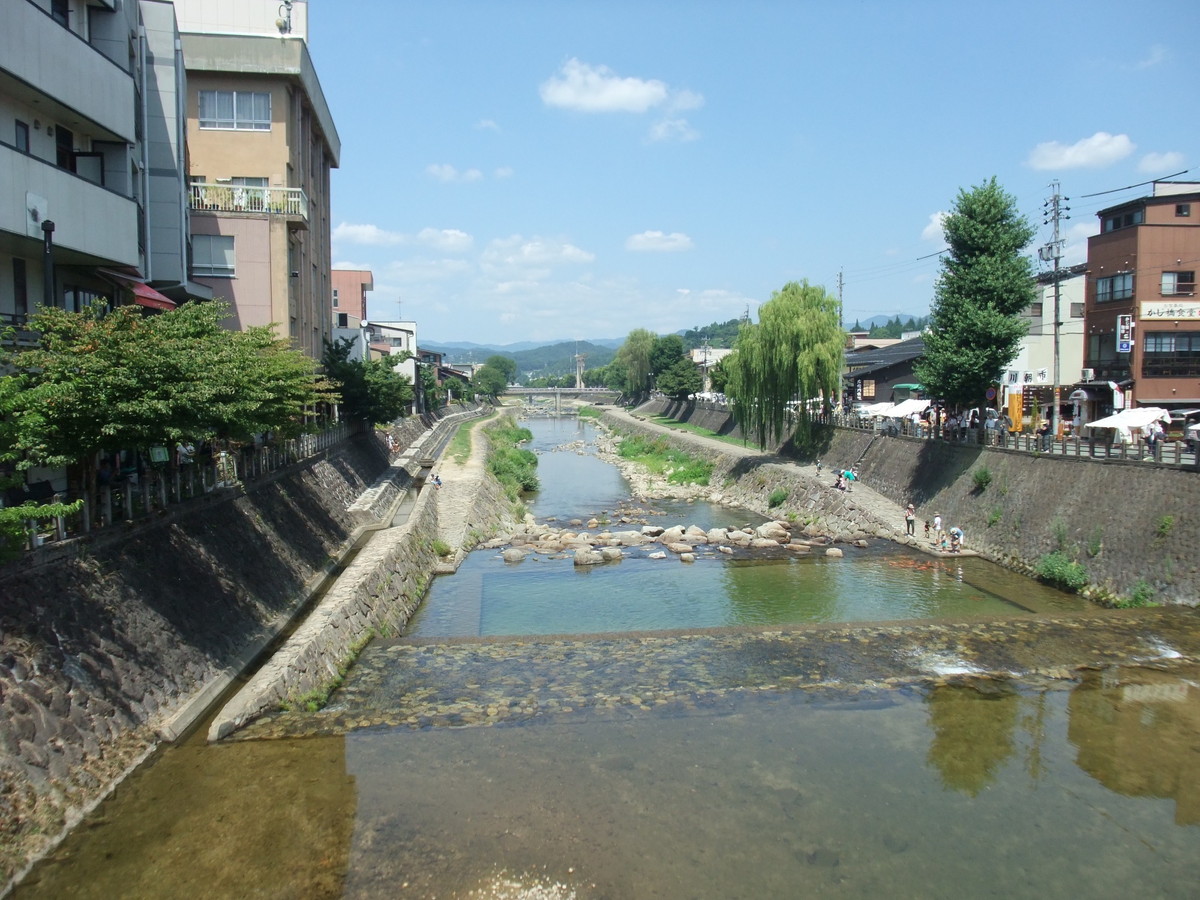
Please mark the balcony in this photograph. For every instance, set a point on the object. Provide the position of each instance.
(233, 198)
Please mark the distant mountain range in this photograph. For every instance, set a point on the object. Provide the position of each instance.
(459, 351)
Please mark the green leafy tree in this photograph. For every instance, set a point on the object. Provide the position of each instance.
(667, 351)
(109, 380)
(457, 389)
(505, 364)
(718, 375)
(984, 286)
(680, 380)
(795, 352)
(634, 357)
(370, 390)
(489, 380)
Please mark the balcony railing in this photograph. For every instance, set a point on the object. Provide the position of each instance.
(238, 198)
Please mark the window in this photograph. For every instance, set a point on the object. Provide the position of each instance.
(1177, 283)
(235, 110)
(20, 290)
(1035, 310)
(1171, 354)
(60, 11)
(335, 298)
(1183, 210)
(1076, 310)
(1124, 220)
(212, 255)
(1114, 287)
(21, 138)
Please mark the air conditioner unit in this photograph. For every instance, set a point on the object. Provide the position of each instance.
(1087, 375)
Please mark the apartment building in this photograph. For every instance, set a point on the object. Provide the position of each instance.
(1142, 318)
(350, 288)
(93, 191)
(262, 142)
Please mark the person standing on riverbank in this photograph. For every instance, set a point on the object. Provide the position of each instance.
(937, 527)
(910, 520)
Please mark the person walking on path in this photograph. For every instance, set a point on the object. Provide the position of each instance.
(937, 527)
(910, 520)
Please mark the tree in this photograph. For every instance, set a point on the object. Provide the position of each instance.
(371, 390)
(489, 380)
(505, 364)
(667, 351)
(984, 286)
(681, 380)
(634, 357)
(794, 353)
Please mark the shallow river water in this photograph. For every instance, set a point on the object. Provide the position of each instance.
(775, 757)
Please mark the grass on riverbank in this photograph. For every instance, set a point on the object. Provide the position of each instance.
(512, 465)
(659, 458)
(703, 432)
(459, 448)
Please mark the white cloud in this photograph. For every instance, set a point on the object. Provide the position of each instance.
(1101, 149)
(448, 240)
(366, 234)
(1160, 163)
(448, 173)
(934, 230)
(588, 88)
(673, 129)
(1158, 54)
(351, 266)
(421, 270)
(503, 172)
(517, 252)
(487, 125)
(658, 242)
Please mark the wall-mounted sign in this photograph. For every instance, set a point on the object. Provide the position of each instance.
(1169, 309)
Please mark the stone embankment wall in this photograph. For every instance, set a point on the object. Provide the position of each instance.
(112, 643)
(1130, 524)
(376, 594)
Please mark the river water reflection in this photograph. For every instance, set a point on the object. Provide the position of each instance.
(615, 780)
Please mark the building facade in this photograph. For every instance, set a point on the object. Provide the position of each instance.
(1142, 317)
(262, 143)
(350, 288)
(93, 190)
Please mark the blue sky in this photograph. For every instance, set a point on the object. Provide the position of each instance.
(535, 171)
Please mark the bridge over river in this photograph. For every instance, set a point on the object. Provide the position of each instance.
(587, 394)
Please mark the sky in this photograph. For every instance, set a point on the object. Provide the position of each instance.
(542, 171)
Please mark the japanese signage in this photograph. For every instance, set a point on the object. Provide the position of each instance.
(1124, 334)
(1170, 309)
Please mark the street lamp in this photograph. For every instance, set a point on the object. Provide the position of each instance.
(47, 263)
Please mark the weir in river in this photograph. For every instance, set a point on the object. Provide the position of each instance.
(771, 746)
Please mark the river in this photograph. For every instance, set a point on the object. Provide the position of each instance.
(780, 754)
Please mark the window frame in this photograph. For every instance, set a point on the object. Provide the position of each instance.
(1113, 293)
(1176, 282)
(206, 267)
(210, 115)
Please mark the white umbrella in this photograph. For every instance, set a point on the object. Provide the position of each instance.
(907, 408)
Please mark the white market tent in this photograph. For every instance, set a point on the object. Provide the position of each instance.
(876, 409)
(1132, 418)
(906, 408)
(1128, 419)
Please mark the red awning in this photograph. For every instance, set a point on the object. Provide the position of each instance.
(143, 294)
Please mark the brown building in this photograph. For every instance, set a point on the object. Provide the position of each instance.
(1142, 314)
(350, 288)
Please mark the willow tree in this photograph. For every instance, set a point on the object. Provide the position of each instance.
(985, 284)
(634, 357)
(795, 352)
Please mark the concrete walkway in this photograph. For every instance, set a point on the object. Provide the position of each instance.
(461, 481)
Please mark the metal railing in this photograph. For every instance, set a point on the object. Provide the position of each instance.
(239, 198)
(1093, 447)
(135, 496)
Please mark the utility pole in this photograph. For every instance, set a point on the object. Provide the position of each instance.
(1055, 212)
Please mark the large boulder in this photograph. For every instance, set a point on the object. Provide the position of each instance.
(773, 531)
(513, 555)
(587, 557)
